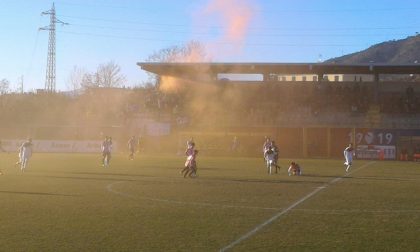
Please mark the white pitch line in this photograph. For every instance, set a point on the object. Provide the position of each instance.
(347, 211)
(109, 187)
(276, 216)
(315, 211)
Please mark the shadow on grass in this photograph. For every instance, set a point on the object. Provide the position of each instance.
(238, 180)
(217, 169)
(39, 193)
(92, 178)
(181, 167)
(136, 177)
(264, 181)
(323, 176)
(109, 174)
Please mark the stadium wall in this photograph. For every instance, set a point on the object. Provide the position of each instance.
(311, 142)
(294, 142)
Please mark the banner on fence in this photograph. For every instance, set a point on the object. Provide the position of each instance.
(56, 146)
(381, 152)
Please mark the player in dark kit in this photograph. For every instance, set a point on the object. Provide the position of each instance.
(131, 147)
(294, 169)
(106, 151)
(2, 150)
(1, 147)
(191, 165)
(276, 153)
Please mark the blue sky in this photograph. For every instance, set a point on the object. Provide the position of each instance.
(128, 31)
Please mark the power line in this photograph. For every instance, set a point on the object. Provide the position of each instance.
(29, 68)
(111, 6)
(219, 43)
(252, 28)
(338, 10)
(370, 10)
(129, 21)
(204, 34)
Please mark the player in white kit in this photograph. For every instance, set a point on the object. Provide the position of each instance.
(271, 162)
(348, 156)
(25, 152)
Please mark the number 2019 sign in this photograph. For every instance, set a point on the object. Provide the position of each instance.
(374, 137)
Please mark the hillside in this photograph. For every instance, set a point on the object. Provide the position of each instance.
(404, 51)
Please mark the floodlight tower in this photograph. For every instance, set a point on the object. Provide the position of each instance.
(50, 73)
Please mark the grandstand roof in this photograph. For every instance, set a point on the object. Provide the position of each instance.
(191, 69)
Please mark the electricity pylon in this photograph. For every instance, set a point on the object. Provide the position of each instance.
(50, 73)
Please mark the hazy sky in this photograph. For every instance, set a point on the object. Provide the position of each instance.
(128, 31)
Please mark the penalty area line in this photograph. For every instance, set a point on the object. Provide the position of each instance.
(279, 214)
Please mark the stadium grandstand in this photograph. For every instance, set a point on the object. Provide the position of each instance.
(311, 109)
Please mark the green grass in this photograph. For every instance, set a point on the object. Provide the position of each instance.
(71, 203)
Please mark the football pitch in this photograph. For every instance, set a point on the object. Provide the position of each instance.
(69, 202)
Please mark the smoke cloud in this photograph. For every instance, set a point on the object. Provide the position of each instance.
(207, 100)
(234, 16)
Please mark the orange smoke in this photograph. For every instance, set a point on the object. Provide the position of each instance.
(195, 52)
(169, 84)
(193, 56)
(235, 17)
